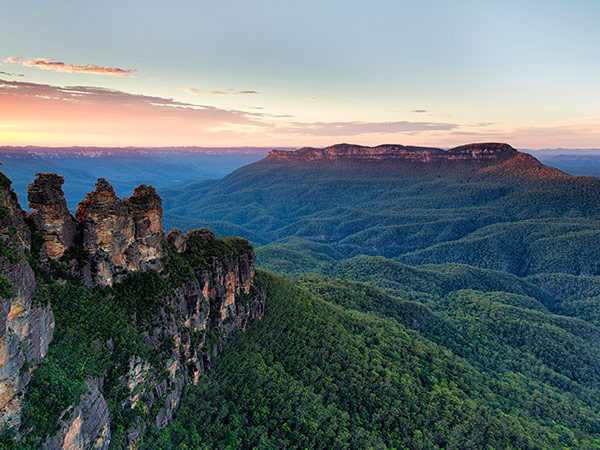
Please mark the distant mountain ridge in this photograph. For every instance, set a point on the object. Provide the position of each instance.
(492, 151)
(416, 204)
(97, 152)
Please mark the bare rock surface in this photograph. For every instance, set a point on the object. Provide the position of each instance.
(26, 328)
(492, 152)
(51, 215)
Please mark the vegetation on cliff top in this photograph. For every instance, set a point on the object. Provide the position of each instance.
(98, 332)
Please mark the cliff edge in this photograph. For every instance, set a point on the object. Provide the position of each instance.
(150, 311)
(493, 152)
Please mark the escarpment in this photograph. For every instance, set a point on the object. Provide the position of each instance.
(26, 327)
(483, 152)
(173, 301)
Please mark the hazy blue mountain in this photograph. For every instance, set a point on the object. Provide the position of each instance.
(124, 168)
(510, 213)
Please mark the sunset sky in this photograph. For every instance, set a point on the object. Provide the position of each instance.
(297, 73)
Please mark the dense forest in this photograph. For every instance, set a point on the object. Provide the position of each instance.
(452, 308)
(338, 364)
(525, 218)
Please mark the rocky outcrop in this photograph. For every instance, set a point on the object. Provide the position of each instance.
(146, 210)
(50, 213)
(86, 425)
(198, 318)
(487, 152)
(120, 235)
(177, 239)
(207, 294)
(26, 328)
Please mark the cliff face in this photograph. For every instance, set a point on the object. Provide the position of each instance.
(120, 235)
(51, 214)
(472, 152)
(204, 294)
(25, 327)
(89, 425)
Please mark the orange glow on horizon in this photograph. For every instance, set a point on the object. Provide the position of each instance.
(52, 116)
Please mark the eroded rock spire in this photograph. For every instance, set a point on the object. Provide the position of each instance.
(51, 215)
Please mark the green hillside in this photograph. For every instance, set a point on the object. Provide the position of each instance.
(312, 374)
(517, 216)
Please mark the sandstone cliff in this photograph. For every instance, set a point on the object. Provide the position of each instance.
(25, 327)
(51, 215)
(183, 295)
(120, 235)
(487, 152)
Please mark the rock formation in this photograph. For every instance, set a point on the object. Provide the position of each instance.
(107, 240)
(88, 425)
(493, 152)
(51, 215)
(146, 210)
(120, 235)
(25, 327)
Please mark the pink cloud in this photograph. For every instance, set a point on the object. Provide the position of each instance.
(194, 91)
(191, 91)
(357, 128)
(233, 92)
(58, 66)
(44, 114)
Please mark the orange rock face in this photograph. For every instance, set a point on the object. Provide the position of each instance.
(120, 235)
(107, 223)
(51, 215)
(146, 210)
(348, 152)
(25, 328)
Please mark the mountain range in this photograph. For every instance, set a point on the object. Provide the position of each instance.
(403, 298)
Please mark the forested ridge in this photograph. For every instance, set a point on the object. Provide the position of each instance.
(484, 280)
(337, 364)
(405, 307)
(517, 216)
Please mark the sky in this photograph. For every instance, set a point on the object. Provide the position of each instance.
(281, 73)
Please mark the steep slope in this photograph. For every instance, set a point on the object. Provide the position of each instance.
(136, 315)
(315, 375)
(419, 205)
(26, 327)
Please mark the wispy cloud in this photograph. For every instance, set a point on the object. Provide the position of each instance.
(233, 92)
(86, 114)
(583, 133)
(420, 111)
(11, 74)
(83, 93)
(309, 98)
(363, 128)
(58, 66)
(191, 91)
(194, 91)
